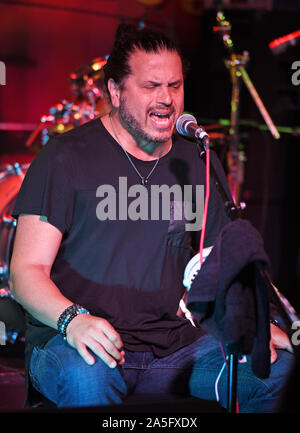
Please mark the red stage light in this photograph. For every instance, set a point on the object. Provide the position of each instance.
(289, 39)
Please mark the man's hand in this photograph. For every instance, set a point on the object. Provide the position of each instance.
(89, 332)
(279, 340)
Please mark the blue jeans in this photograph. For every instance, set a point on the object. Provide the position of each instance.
(60, 374)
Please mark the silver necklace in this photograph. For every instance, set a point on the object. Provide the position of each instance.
(144, 179)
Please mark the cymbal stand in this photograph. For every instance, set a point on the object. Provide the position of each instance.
(236, 63)
(237, 66)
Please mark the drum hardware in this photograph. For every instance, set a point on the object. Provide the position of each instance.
(10, 182)
(11, 169)
(8, 336)
(8, 223)
(292, 130)
(17, 169)
(236, 63)
(87, 83)
(9, 220)
(285, 311)
(62, 117)
(279, 45)
(5, 291)
(11, 313)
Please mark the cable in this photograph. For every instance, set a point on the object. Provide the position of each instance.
(207, 153)
(217, 381)
(226, 363)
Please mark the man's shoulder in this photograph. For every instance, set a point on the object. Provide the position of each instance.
(81, 139)
(73, 146)
(88, 129)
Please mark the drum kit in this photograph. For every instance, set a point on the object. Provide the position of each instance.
(91, 101)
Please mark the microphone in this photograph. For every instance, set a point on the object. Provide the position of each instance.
(186, 125)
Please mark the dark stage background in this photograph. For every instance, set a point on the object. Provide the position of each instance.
(43, 41)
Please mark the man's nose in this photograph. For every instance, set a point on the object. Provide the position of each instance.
(164, 96)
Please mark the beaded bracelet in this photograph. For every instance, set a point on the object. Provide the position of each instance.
(67, 316)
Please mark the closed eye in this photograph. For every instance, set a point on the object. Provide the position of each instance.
(175, 84)
(151, 85)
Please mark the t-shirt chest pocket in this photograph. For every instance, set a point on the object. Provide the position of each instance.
(178, 235)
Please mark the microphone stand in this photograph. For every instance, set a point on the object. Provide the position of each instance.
(236, 64)
(234, 212)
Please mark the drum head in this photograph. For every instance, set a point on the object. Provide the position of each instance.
(12, 316)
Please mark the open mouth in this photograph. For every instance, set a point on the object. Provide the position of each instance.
(161, 119)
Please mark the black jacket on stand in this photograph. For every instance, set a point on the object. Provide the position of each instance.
(229, 298)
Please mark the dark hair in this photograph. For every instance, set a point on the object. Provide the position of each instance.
(130, 38)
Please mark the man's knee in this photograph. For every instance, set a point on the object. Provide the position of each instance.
(66, 379)
(91, 385)
(254, 394)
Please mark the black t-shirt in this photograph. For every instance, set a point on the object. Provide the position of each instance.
(124, 269)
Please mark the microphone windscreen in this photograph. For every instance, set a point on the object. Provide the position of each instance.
(181, 122)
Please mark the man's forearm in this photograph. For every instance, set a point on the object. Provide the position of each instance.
(36, 292)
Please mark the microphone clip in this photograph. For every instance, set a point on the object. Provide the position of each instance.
(202, 145)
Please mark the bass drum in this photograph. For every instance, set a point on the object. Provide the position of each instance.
(12, 317)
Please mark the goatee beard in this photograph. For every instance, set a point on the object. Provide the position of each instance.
(143, 140)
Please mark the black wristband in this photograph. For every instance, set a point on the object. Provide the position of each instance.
(67, 316)
(274, 322)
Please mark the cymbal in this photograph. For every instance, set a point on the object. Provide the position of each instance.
(88, 78)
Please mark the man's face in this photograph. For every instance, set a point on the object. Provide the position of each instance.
(152, 96)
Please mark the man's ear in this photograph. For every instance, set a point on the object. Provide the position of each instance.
(114, 91)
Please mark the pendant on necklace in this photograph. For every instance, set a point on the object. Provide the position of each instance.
(144, 181)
